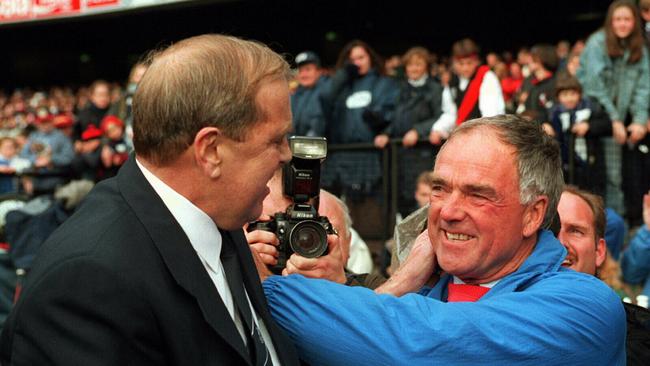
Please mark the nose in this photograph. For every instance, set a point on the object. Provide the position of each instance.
(452, 209)
(562, 237)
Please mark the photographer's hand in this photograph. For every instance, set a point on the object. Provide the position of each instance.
(417, 270)
(264, 243)
(328, 267)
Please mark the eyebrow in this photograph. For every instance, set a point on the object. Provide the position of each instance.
(471, 188)
(438, 181)
(570, 225)
(481, 188)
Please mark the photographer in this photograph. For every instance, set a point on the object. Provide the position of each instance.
(331, 266)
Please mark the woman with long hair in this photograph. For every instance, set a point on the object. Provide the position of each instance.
(359, 105)
(614, 70)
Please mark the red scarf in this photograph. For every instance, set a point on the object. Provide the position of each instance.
(471, 96)
(463, 292)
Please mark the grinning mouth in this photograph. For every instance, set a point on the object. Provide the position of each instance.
(569, 260)
(457, 236)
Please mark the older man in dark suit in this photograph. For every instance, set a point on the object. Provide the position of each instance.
(154, 269)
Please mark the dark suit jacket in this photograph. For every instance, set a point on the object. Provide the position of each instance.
(120, 284)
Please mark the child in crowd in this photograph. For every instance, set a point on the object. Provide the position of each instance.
(87, 162)
(423, 188)
(10, 164)
(115, 150)
(536, 93)
(65, 124)
(575, 121)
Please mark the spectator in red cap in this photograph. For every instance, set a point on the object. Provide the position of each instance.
(87, 162)
(65, 124)
(115, 149)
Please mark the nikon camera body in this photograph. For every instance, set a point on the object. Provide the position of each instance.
(300, 229)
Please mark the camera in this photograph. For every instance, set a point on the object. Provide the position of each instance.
(300, 229)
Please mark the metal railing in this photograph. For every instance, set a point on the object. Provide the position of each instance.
(390, 185)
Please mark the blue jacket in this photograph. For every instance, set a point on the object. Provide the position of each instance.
(348, 98)
(542, 314)
(58, 144)
(610, 80)
(635, 261)
(307, 109)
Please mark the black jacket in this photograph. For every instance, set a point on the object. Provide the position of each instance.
(417, 108)
(120, 284)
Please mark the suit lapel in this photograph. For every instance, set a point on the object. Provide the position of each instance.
(177, 253)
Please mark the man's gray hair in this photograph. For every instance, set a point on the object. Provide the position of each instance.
(538, 157)
(347, 219)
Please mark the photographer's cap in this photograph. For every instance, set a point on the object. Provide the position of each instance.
(307, 57)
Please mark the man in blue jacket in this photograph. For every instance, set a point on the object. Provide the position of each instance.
(306, 105)
(500, 294)
(635, 261)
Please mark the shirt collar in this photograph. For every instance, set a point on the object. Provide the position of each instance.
(197, 225)
(458, 281)
(419, 82)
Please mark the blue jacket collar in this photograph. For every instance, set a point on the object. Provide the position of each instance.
(546, 257)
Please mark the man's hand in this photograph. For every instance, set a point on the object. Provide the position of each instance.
(264, 243)
(637, 132)
(548, 129)
(381, 141)
(42, 161)
(646, 210)
(435, 138)
(410, 138)
(580, 129)
(416, 271)
(618, 132)
(329, 267)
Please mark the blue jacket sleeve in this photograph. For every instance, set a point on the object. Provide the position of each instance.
(635, 262)
(384, 98)
(641, 91)
(546, 324)
(63, 152)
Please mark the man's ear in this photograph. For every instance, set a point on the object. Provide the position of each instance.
(601, 252)
(534, 216)
(206, 150)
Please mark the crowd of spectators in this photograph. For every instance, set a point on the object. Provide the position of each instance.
(49, 137)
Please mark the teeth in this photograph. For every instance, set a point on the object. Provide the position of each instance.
(451, 236)
(567, 262)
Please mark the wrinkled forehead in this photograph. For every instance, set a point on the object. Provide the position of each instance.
(479, 156)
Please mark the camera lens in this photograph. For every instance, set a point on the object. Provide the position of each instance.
(308, 239)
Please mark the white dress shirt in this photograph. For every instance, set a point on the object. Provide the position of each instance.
(206, 241)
